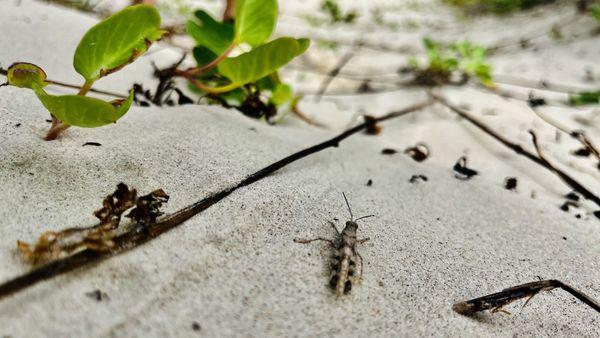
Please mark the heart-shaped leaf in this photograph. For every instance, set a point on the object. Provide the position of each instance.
(255, 21)
(26, 75)
(83, 111)
(117, 41)
(261, 61)
(208, 32)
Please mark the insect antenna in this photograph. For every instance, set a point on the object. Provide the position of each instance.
(348, 204)
(364, 217)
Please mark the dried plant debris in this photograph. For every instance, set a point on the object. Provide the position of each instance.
(389, 151)
(420, 152)
(417, 178)
(147, 208)
(566, 206)
(98, 295)
(534, 101)
(114, 205)
(462, 172)
(497, 301)
(372, 127)
(54, 244)
(510, 183)
(343, 266)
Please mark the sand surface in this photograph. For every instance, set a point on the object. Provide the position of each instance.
(234, 269)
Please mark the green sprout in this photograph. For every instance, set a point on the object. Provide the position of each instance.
(249, 81)
(462, 58)
(335, 13)
(106, 48)
(585, 98)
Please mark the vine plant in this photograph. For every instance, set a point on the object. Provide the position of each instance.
(451, 65)
(106, 48)
(249, 81)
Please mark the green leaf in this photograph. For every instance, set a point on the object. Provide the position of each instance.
(282, 94)
(83, 111)
(26, 75)
(117, 41)
(261, 61)
(255, 21)
(203, 55)
(210, 33)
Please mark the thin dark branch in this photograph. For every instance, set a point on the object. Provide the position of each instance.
(517, 148)
(139, 234)
(579, 135)
(496, 301)
(332, 74)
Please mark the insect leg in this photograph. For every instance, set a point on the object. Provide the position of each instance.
(306, 241)
(334, 227)
(361, 265)
(362, 241)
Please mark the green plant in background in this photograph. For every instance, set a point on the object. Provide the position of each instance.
(106, 48)
(461, 58)
(497, 6)
(249, 81)
(585, 98)
(332, 9)
(595, 12)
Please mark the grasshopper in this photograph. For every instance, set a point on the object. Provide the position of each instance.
(343, 266)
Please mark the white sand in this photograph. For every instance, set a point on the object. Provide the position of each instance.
(234, 269)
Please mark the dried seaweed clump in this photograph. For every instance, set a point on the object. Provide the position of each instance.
(54, 244)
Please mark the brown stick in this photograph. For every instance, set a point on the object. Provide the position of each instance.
(134, 237)
(495, 301)
(571, 182)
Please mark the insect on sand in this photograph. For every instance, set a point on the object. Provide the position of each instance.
(343, 266)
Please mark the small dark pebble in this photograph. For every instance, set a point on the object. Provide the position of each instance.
(389, 151)
(96, 144)
(578, 216)
(510, 183)
(572, 196)
(369, 183)
(582, 152)
(17, 125)
(535, 101)
(415, 178)
(565, 238)
(97, 295)
(196, 326)
(462, 172)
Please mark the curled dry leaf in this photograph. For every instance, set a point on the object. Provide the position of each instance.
(54, 244)
(147, 208)
(420, 152)
(462, 171)
(114, 205)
